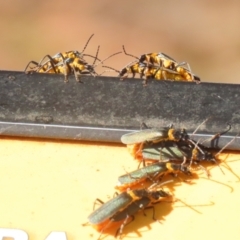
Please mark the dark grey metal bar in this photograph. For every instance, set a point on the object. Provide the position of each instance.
(104, 108)
(62, 131)
(96, 133)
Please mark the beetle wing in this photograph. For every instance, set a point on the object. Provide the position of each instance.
(108, 209)
(141, 174)
(152, 134)
(159, 153)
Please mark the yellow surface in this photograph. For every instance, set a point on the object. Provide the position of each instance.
(51, 186)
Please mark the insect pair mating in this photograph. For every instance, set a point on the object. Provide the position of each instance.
(68, 63)
(157, 66)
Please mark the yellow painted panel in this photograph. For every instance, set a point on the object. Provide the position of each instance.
(51, 186)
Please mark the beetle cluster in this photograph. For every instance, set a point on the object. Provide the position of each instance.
(157, 66)
(162, 151)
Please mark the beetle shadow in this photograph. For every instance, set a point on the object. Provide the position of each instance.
(222, 164)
